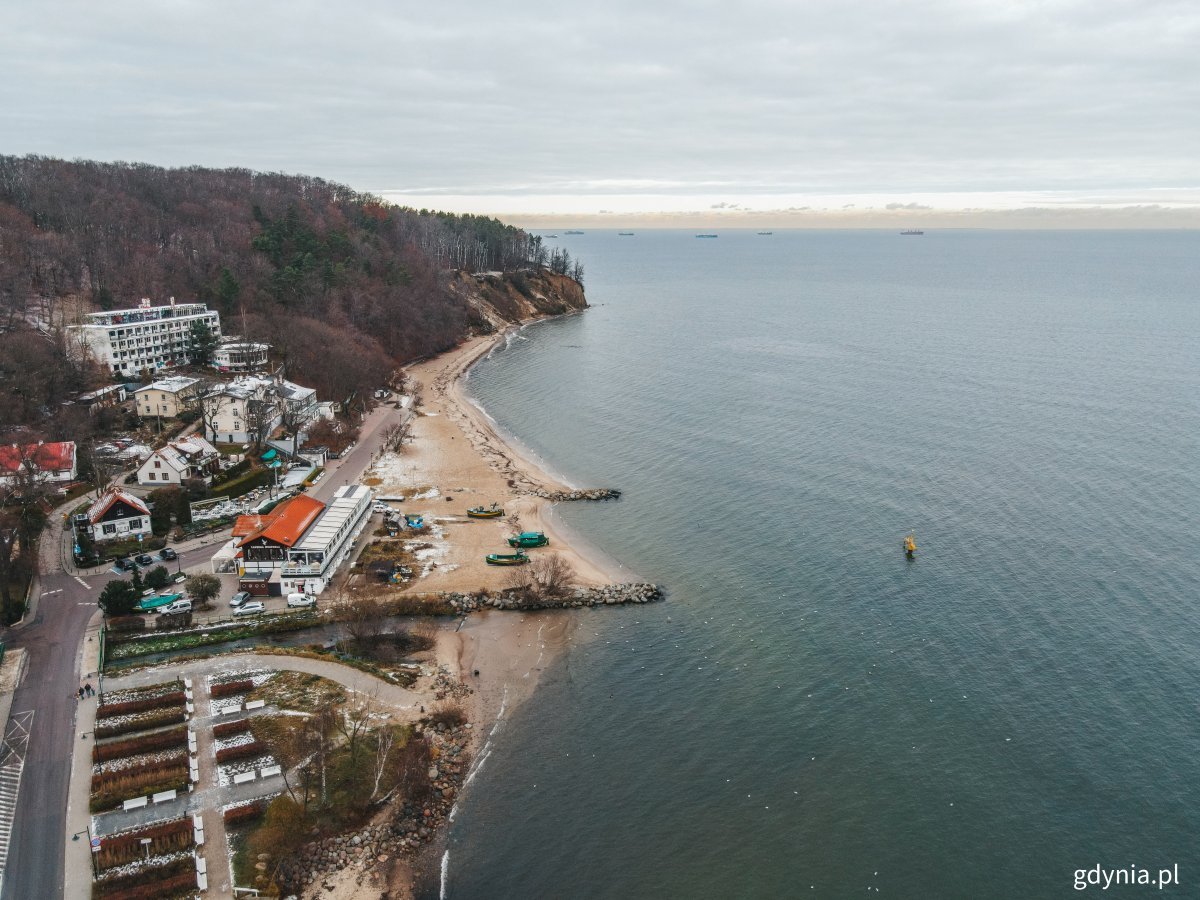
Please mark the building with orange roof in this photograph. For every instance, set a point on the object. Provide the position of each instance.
(298, 546)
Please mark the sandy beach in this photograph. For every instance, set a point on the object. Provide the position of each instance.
(455, 460)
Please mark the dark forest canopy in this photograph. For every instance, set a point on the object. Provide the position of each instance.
(324, 273)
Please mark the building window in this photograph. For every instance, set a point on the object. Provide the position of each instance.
(109, 529)
(150, 476)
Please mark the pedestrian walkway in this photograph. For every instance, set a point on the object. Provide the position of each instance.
(12, 764)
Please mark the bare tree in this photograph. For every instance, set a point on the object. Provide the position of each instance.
(385, 739)
(262, 412)
(293, 417)
(365, 622)
(353, 722)
(552, 574)
(396, 434)
(213, 404)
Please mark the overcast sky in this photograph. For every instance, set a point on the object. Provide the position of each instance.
(801, 109)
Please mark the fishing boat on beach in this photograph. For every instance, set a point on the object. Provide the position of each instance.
(529, 539)
(507, 559)
(910, 545)
(913, 231)
(485, 512)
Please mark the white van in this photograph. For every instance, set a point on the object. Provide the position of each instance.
(301, 600)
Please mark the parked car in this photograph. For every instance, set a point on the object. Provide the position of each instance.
(253, 608)
(144, 560)
(381, 508)
(239, 598)
(125, 564)
(301, 600)
(177, 606)
(168, 553)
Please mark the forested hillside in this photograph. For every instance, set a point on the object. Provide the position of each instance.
(343, 285)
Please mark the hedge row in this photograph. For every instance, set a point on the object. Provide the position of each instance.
(242, 751)
(166, 837)
(151, 883)
(120, 624)
(228, 729)
(111, 789)
(108, 710)
(225, 688)
(153, 719)
(148, 743)
(245, 814)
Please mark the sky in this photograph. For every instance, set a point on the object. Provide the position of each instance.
(808, 112)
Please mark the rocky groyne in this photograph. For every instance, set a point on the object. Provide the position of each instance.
(566, 496)
(576, 598)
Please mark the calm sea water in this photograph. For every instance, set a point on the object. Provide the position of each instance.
(809, 714)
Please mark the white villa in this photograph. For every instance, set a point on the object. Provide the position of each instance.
(234, 411)
(188, 457)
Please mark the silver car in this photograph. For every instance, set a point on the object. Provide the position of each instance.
(239, 598)
(251, 608)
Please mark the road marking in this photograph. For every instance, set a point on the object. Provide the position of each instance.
(84, 583)
(55, 591)
(12, 763)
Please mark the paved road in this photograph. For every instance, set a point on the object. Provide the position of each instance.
(52, 635)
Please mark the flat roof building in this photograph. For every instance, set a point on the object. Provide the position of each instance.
(145, 337)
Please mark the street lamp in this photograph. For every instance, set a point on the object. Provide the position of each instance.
(93, 848)
(83, 736)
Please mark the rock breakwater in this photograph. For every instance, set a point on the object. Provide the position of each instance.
(577, 598)
(566, 496)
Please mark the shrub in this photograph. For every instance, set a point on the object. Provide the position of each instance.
(226, 688)
(158, 577)
(242, 751)
(153, 719)
(122, 624)
(108, 710)
(449, 714)
(228, 729)
(149, 743)
(245, 814)
(166, 837)
(110, 789)
(177, 877)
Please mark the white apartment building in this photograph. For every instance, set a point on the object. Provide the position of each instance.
(145, 337)
(234, 411)
(165, 397)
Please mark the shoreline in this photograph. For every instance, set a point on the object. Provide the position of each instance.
(455, 448)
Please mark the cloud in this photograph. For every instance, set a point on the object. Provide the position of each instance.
(667, 99)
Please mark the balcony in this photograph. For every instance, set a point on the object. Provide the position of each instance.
(293, 571)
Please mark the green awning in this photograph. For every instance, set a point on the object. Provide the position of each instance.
(270, 454)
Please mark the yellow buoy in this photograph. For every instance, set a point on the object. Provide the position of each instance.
(910, 545)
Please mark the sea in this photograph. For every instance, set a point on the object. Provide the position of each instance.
(809, 713)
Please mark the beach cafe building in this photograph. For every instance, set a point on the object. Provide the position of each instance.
(298, 547)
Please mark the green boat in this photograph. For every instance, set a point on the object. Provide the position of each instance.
(529, 539)
(507, 559)
(146, 604)
(485, 512)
